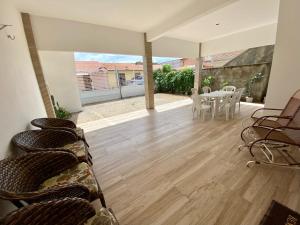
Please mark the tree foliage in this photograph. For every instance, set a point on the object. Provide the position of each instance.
(172, 81)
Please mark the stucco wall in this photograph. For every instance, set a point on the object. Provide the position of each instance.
(285, 78)
(19, 93)
(239, 70)
(239, 76)
(59, 71)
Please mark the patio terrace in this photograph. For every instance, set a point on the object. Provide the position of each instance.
(109, 109)
(156, 165)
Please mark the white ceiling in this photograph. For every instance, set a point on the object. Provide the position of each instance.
(144, 15)
(238, 16)
(135, 15)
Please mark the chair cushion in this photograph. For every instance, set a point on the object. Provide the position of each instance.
(81, 173)
(79, 131)
(78, 148)
(103, 217)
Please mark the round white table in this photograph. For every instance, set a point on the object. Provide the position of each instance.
(217, 96)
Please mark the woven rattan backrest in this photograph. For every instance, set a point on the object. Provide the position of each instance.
(52, 123)
(68, 211)
(25, 173)
(46, 138)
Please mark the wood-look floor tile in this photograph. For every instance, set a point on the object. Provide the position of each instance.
(166, 168)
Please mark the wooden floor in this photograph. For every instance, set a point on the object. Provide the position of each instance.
(166, 168)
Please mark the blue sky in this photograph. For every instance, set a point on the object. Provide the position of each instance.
(112, 58)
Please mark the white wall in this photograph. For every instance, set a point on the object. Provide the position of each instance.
(256, 37)
(20, 97)
(285, 73)
(59, 71)
(68, 35)
(172, 47)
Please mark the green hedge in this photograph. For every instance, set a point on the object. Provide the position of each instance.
(172, 81)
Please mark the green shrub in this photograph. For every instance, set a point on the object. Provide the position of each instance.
(166, 68)
(168, 80)
(208, 81)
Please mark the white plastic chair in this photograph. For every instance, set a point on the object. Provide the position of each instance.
(206, 89)
(200, 105)
(230, 105)
(229, 88)
(240, 91)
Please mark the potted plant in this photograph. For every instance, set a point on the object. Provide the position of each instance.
(208, 81)
(60, 112)
(253, 79)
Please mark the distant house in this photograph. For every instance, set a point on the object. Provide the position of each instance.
(93, 75)
(213, 61)
(181, 63)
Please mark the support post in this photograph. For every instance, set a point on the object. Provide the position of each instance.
(198, 68)
(37, 64)
(148, 74)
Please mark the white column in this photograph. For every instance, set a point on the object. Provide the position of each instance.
(148, 74)
(198, 68)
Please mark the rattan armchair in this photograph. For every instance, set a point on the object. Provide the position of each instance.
(68, 211)
(51, 140)
(21, 178)
(61, 124)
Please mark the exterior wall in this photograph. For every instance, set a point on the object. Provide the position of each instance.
(84, 82)
(253, 56)
(239, 76)
(243, 40)
(238, 71)
(130, 74)
(19, 93)
(59, 71)
(99, 80)
(90, 97)
(112, 80)
(285, 78)
(103, 80)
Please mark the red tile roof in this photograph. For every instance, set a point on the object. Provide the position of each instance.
(94, 66)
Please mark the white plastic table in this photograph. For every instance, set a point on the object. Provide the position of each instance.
(216, 96)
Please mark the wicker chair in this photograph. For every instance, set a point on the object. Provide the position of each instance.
(61, 124)
(68, 211)
(51, 140)
(21, 178)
